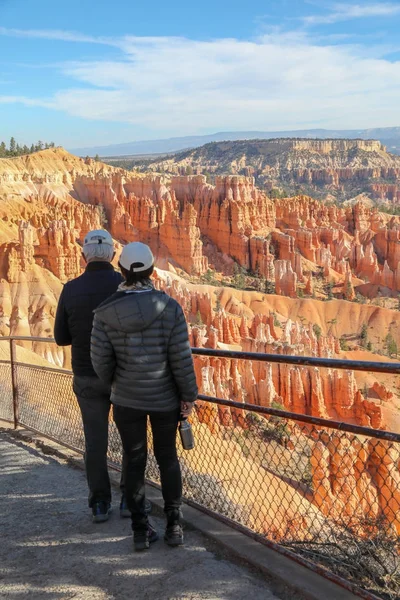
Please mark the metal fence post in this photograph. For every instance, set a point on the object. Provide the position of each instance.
(14, 383)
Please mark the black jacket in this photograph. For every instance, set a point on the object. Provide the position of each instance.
(140, 345)
(74, 317)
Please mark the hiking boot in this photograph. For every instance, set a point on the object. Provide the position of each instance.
(143, 539)
(101, 512)
(124, 511)
(174, 534)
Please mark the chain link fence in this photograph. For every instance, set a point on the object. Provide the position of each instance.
(6, 394)
(330, 496)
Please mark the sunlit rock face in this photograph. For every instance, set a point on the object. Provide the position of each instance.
(50, 200)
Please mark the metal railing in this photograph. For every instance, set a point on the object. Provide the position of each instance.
(323, 492)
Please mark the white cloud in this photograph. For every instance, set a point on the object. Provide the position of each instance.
(54, 34)
(183, 85)
(26, 101)
(346, 12)
(179, 86)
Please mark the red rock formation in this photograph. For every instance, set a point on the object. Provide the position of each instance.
(285, 279)
(233, 218)
(353, 478)
(385, 191)
(351, 166)
(48, 205)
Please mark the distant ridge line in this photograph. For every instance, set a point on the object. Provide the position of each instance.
(389, 136)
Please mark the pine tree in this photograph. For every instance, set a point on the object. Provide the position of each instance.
(364, 335)
(391, 345)
(239, 279)
(218, 306)
(17, 150)
(349, 290)
(13, 146)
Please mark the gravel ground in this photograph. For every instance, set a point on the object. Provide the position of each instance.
(50, 549)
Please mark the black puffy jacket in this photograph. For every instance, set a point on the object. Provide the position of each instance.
(140, 345)
(74, 318)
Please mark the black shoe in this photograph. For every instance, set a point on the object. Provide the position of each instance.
(101, 511)
(143, 539)
(174, 535)
(124, 511)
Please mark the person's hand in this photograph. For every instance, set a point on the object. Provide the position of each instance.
(186, 409)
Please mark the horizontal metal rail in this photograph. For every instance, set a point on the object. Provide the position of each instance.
(27, 338)
(47, 369)
(265, 410)
(390, 436)
(301, 361)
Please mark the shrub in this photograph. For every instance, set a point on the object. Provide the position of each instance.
(317, 330)
(198, 320)
(277, 322)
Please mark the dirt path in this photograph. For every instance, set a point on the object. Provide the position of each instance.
(50, 550)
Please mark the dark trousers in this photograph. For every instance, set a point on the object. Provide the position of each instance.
(132, 426)
(94, 402)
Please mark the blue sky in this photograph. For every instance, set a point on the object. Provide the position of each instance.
(88, 73)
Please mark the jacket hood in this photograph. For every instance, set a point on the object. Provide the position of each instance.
(132, 311)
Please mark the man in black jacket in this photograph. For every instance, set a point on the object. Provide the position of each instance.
(73, 326)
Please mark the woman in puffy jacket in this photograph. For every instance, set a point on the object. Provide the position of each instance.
(140, 346)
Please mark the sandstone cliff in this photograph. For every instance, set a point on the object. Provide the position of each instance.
(308, 260)
(342, 168)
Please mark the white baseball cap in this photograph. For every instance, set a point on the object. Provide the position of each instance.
(136, 257)
(98, 236)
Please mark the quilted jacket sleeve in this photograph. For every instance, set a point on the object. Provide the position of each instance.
(102, 352)
(180, 358)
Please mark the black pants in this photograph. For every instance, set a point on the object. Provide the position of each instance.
(94, 402)
(132, 426)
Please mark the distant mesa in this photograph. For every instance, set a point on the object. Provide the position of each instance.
(390, 136)
(322, 168)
